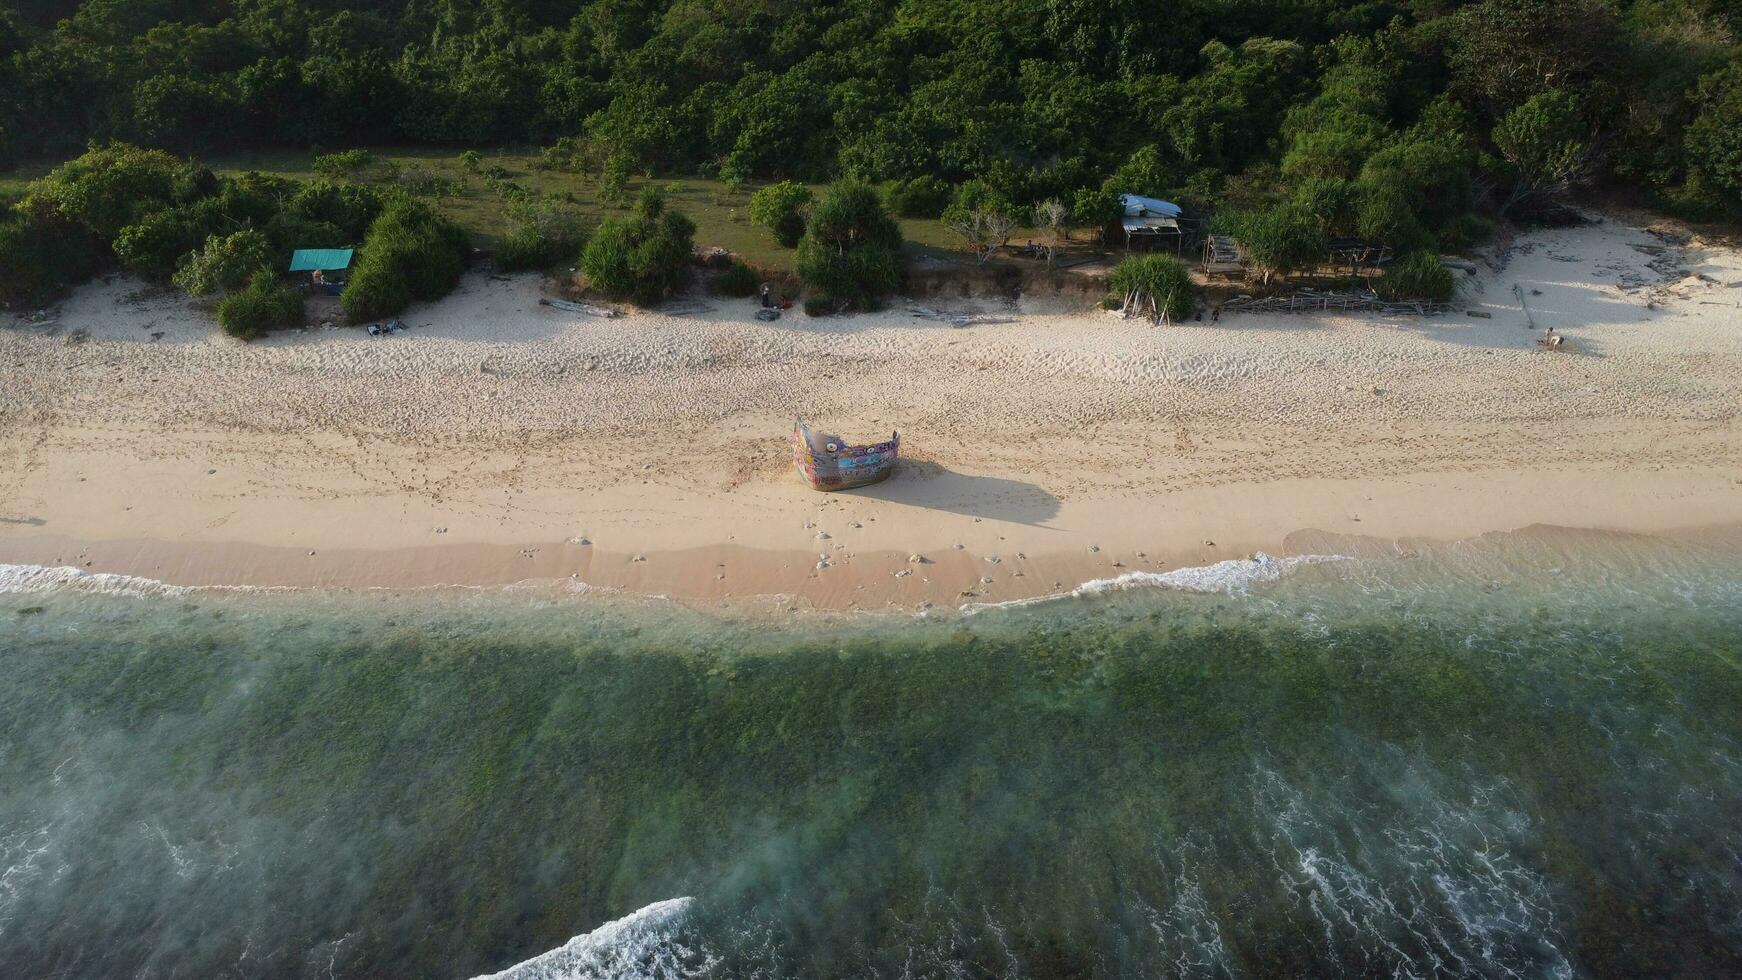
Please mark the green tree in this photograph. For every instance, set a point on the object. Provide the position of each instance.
(1331, 201)
(982, 216)
(1277, 240)
(1095, 208)
(851, 250)
(1547, 145)
(924, 196)
(1506, 52)
(642, 256)
(1714, 140)
(781, 209)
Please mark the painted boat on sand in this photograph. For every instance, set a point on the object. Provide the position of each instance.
(827, 463)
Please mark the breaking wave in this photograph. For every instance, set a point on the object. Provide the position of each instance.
(646, 944)
(1236, 576)
(32, 579)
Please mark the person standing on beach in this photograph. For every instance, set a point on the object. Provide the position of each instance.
(767, 300)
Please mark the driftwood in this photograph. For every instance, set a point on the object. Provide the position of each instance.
(587, 308)
(1140, 302)
(957, 319)
(1529, 320)
(686, 309)
(1318, 302)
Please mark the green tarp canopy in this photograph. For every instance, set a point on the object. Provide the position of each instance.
(324, 259)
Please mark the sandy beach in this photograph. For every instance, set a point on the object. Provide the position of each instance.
(499, 441)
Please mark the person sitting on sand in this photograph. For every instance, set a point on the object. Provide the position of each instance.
(1551, 340)
(319, 277)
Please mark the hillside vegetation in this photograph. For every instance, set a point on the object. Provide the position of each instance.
(1213, 102)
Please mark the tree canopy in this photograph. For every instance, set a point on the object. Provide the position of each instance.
(1042, 100)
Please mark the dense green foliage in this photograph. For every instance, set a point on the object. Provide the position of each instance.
(410, 254)
(261, 305)
(151, 212)
(781, 208)
(1211, 101)
(1418, 275)
(1714, 140)
(542, 233)
(1545, 142)
(43, 252)
(924, 196)
(1277, 240)
(225, 263)
(643, 256)
(851, 252)
(1160, 279)
(738, 280)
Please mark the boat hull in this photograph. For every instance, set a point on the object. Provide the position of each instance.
(847, 467)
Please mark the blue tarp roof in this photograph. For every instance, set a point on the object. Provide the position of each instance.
(1136, 207)
(324, 259)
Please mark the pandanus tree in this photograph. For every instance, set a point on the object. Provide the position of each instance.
(850, 254)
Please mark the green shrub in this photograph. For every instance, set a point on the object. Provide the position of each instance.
(288, 231)
(342, 164)
(156, 244)
(1469, 229)
(42, 253)
(348, 207)
(1160, 278)
(113, 186)
(781, 209)
(738, 280)
(614, 182)
(1418, 276)
(257, 308)
(642, 256)
(225, 263)
(471, 160)
(1713, 141)
(410, 254)
(924, 196)
(541, 234)
(851, 250)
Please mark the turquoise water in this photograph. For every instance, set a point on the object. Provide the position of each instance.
(1511, 761)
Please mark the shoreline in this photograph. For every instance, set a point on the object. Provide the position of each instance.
(479, 448)
(740, 578)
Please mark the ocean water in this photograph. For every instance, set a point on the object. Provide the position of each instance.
(1520, 757)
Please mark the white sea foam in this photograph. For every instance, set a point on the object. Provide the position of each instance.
(1233, 576)
(30, 579)
(642, 945)
(1236, 576)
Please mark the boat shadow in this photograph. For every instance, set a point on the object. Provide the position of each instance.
(931, 486)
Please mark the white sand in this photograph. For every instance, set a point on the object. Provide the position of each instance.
(513, 427)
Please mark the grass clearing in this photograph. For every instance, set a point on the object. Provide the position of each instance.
(479, 204)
